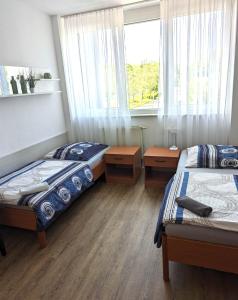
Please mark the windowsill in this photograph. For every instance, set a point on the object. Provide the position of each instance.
(150, 112)
(143, 115)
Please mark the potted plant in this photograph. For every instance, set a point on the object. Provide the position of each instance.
(32, 82)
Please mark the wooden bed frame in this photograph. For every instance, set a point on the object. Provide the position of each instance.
(25, 217)
(197, 253)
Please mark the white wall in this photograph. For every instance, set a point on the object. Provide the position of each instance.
(26, 39)
(141, 12)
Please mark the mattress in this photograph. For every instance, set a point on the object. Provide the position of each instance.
(204, 234)
(201, 233)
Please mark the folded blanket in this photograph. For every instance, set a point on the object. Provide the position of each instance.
(212, 156)
(82, 151)
(13, 194)
(9, 195)
(35, 188)
(194, 206)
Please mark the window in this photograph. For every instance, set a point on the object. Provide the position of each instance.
(198, 66)
(142, 65)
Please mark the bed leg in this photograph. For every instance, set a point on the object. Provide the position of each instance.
(2, 248)
(41, 236)
(165, 258)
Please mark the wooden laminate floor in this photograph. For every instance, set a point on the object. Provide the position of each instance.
(102, 248)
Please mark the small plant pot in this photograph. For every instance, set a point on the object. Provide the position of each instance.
(32, 90)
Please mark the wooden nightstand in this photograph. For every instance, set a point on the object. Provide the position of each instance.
(160, 164)
(122, 164)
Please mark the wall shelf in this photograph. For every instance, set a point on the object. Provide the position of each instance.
(33, 94)
(50, 79)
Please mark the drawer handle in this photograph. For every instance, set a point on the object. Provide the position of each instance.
(160, 160)
(118, 158)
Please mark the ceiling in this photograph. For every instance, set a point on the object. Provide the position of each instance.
(61, 7)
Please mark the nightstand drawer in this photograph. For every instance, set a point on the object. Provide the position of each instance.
(163, 162)
(119, 159)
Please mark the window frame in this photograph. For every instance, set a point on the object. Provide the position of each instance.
(141, 14)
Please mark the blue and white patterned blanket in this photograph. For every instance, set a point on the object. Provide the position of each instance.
(67, 180)
(220, 191)
(212, 156)
(82, 151)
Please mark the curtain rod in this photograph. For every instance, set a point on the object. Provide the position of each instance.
(110, 7)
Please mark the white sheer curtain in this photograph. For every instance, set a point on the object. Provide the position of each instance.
(197, 61)
(93, 52)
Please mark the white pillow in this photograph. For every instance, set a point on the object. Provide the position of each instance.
(50, 154)
(192, 158)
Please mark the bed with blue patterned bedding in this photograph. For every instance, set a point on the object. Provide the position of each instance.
(67, 181)
(218, 190)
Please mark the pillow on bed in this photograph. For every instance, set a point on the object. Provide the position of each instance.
(82, 151)
(212, 156)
